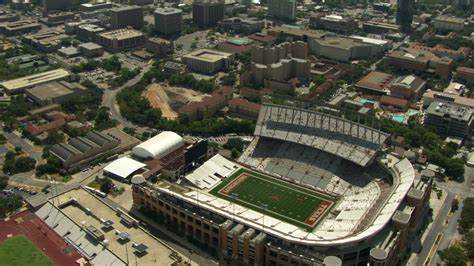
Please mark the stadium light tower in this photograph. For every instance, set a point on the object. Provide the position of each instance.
(264, 208)
(235, 196)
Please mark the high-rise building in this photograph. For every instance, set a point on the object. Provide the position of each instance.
(462, 4)
(282, 9)
(50, 5)
(168, 20)
(405, 14)
(208, 12)
(122, 17)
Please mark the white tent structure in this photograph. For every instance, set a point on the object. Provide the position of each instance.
(159, 146)
(123, 167)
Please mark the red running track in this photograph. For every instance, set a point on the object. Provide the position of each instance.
(31, 226)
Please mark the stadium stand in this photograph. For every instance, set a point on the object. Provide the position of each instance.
(211, 172)
(338, 136)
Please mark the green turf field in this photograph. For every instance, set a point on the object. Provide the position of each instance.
(20, 251)
(282, 200)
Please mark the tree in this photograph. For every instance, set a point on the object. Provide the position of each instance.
(3, 181)
(467, 214)
(105, 185)
(229, 79)
(235, 153)
(469, 244)
(234, 143)
(453, 256)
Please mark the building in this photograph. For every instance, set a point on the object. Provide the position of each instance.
(88, 32)
(440, 50)
(393, 103)
(81, 150)
(405, 15)
(121, 40)
(333, 22)
(375, 83)
(422, 61)
(465, 73)
(241, 25)
(19, 85)
(207, 61)
(126, 16)
(456, 88)
(449, 119)
(168, 21)
(165, 153)
(280, 63)
(46, 41)
(407, 87)
(236, 45)
(262, 38)
(447, 23)
(93, 6)
(8, 17)
(159, 47)
(69, 52)
(282, 9)
(346, 49)
(90, 49)
(55, 5)
(19, 27)
(208, 107)
(54, 92)
(243, 108)
(203, 209)
(207, 13)
(173, 68)
(55, 19)
(430, 96)
(376, 27)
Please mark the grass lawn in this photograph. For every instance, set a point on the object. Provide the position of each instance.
(20, 251)
(288, 202)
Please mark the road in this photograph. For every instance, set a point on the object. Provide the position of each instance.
(109, 98)
(449, 230)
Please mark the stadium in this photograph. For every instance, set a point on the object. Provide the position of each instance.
(310, 189)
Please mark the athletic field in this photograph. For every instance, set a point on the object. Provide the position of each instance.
(20, 251)
(282, 200)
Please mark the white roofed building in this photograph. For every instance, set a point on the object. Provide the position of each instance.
(159, 146)
(123, 167)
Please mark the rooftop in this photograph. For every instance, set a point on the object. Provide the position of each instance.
(124, 8)
(121, 34)
(89, 46)
(35, 79)
(208, 55)
(449, 110)
(53, 89)
(450, 19)
(377, 81)
(168, 11)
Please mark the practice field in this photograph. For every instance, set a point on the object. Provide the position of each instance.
(282, 200)
(20, 251)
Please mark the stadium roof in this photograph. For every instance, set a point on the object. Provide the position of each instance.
(123, 167)
(159, 146)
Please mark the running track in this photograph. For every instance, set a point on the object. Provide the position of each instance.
(41, 235)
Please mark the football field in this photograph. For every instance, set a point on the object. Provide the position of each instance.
(20, 251)
(285, 201)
